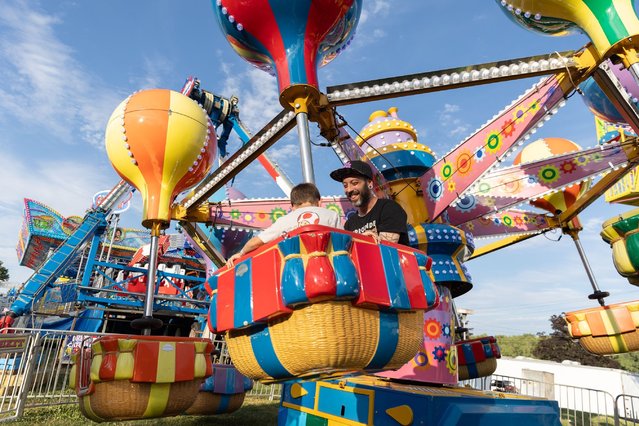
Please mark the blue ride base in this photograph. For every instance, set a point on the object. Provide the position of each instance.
(368, 400)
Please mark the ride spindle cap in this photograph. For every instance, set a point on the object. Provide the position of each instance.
(289, 39)
(162, 143)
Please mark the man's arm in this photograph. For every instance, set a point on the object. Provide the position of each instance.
(393, 218)
(252, 244)
(389, 236)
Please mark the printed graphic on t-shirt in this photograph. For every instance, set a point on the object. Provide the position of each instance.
(308, 218)
(370, 226)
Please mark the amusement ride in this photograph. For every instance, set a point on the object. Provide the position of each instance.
(357, 331)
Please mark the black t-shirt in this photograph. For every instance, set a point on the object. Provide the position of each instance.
(385, 216)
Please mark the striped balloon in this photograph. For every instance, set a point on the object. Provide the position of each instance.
(545, 148)
(163, 143)
(606, 22)
(288, 37)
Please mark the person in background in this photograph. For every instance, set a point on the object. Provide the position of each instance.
(305, 200)
(383, 219)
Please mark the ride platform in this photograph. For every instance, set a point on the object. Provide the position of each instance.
(368, 400)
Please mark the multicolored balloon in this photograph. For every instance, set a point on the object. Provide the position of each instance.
(545, 148)
(606, 22)
(289, 38)
(599, 103)
(163, 143)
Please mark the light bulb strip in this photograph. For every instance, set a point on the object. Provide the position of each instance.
(451, 78)
(273, 131)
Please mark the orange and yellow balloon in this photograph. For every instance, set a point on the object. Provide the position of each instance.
(163, 143)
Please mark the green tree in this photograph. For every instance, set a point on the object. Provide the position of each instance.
(4, 273)
(558, 346)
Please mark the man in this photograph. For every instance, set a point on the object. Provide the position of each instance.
(383, 219)
(305, 200)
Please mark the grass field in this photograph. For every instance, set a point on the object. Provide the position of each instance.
(254, 411)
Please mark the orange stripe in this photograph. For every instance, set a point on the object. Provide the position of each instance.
(597, 326)
(109, 358)
(623, 319)
(185, 361)
(146, 134)
(146, 362)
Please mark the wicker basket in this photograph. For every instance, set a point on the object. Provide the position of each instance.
(123, 400)
(606, 330)
(208, 403)
(325, 339)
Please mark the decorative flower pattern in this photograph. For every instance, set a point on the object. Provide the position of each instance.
(480, 154)
(466, 203)
(276, 213)
(335, 207)
(568, 167)
(507, 220)
(447, 171)
(493, 142)
(508, 128)
(582, 160)
(439, 353)
(235, 214)
(247, 218)
(451, 186)
(432, 329)
(435, 189)
(464, 163)
(421, 359)
(451, 361)
(446, 330)
(549, 174)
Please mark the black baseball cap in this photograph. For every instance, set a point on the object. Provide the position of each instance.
(353, 168)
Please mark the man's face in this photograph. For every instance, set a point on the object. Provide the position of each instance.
(357, 191)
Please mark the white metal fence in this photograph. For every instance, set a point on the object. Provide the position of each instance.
(35, 367)
(628, 409)
(578, 406)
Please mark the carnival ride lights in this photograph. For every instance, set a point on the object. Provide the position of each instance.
(463, 187)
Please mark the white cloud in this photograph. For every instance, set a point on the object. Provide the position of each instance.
(454, 126)
(40, 78)
(65, 186)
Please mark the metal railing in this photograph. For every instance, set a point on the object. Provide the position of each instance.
(627, 410)
(260, 390)
(578, 406)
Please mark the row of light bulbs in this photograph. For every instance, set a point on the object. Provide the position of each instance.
(454, 78)
(247, 151)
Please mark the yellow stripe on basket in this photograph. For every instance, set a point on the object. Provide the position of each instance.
(86, 404)
(617, 342)
(158, 399)
(96, 362)
(199, 367)
(166, 363)
(124, 366)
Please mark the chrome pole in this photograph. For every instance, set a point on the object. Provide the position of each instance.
(598, 294)
(305, 147)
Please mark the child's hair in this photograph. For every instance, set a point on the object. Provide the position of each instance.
(304, 193)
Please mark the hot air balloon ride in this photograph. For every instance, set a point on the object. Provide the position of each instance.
(290, 40)
(161, 142)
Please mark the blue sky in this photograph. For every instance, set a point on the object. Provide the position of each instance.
(65, 65)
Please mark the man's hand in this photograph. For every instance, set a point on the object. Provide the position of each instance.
(373, 234)
(231, 260)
